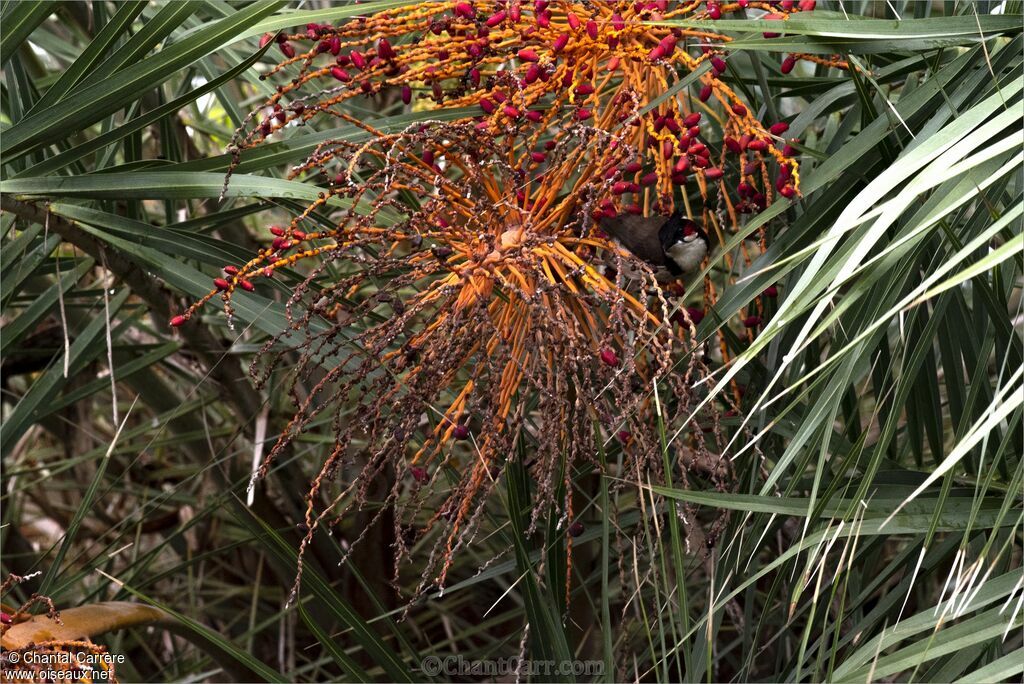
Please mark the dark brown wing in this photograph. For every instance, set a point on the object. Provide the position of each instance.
(639, 235)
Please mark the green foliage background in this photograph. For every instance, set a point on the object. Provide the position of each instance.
(879, 538)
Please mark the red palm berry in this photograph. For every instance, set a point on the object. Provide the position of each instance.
(733, 145)
(714, 11)
(384, 49)
(779, 128)
(807, 5)
(266, 38)
(538, 157)
(276, 230)
(719, 64)
(246, 285)
(287, 50)
(340, 74)
(649, 179)
(705, 93)
(464, 10)
(583, 114)
(496, 18)
(617, 22)
(788, 64)
(714, 173)
(419, 474)
(574, 21)
(632, 167)
(692, 120)
(575, 529)
(751, 321)
(739, 110)
(560, 42)
(487, 105)
(176, 322)
(771, 291)
(535, 116)
(592, 29)
(5, 619)
(511, 112)
(231, 270)
(609, 357)
(624, 436)
(757, 145)
(221, 284)
(528, 55)
(789, 192)
(460, 431)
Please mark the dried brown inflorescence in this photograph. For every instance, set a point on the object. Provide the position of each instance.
(460, 309)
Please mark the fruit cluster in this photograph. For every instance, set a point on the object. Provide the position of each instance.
(467, 301)
(532, 68)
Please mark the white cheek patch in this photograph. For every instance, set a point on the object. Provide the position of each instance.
(688, 255)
